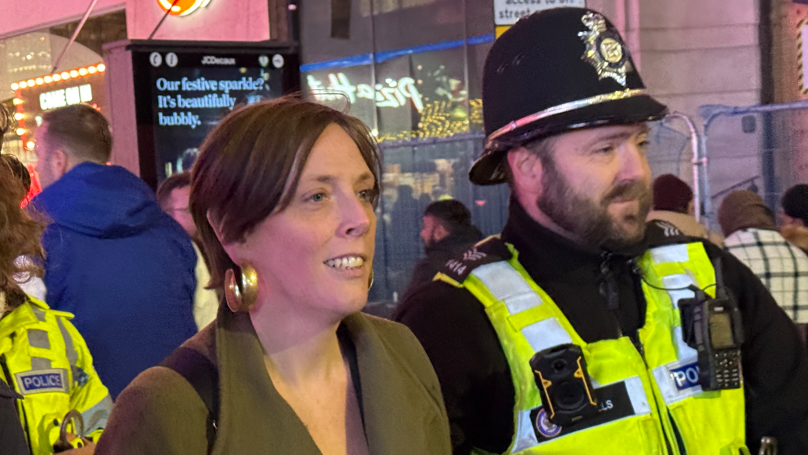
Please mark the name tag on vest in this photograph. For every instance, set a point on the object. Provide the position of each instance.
(40, 381)
(613, 402)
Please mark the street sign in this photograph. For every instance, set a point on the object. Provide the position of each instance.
(507, 12)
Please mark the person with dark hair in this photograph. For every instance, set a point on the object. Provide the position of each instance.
(45, 365)
(283, 194)
(569, 333)
(114, 259)
(30, 284)
(447, 231)
(173, 195)
(17, 169)
(12, 437)
(795, 216)
(674, 204)
(753, 238)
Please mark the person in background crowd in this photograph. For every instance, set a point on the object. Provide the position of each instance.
(30, 284)
(12, 438)
(283, 194)
(673, 203)
(752, 237)
(114, 258)
(44, 362)
(173, 196)
(447, 231)
(578, 299)
(403, 231)
(17, 169)
(20, 172)
(795, 216)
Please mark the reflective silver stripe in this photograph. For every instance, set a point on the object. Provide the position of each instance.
(96, 417)
(525, 435)
(520, 303)
(546, 334)
(508, 286)
(674, 282)
(566, 107)
(670, 253)
(41, 363)
(502, 280)
(672, 393)
(38, 338)
(40, 315)
(70, 350)
(636, 393)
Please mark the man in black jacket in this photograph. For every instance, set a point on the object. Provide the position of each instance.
(12, 438)
(447, 231)
(565, 118)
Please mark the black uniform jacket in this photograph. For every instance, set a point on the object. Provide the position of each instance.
(475, 377)
(12, 438)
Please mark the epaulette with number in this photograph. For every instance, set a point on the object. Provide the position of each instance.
(491, 249)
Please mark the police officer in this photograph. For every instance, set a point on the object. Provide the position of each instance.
(577, 270)
(44, 361)
(12, 438)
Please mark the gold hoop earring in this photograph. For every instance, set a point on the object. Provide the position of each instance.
(241, 296)
(370, 279)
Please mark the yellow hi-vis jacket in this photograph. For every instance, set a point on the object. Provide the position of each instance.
(45, 359)
(649, 398)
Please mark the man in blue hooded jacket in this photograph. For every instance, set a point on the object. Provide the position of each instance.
(114, 259)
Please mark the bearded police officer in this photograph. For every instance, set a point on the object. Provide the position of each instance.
(581, 329)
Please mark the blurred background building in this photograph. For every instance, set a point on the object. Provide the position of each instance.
(411, 70)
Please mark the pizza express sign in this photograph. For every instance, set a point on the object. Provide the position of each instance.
(182, 7)
(391, 93)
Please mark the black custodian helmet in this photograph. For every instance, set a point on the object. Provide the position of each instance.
(554, 71)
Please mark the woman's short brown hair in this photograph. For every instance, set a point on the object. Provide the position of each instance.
(19, 236)
(250, 164)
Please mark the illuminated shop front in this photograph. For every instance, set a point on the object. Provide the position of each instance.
(51, 57)
(412, 71)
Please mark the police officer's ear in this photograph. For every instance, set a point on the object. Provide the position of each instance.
(526, 172)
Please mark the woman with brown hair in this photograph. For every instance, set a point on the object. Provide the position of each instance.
(44, 360)
(15, 237)
(283, 195)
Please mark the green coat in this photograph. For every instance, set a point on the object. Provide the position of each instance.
(160, 413)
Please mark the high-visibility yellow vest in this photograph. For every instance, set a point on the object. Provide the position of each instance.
(45, 359)
(652, 399)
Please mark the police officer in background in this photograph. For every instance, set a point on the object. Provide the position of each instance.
(582, 329)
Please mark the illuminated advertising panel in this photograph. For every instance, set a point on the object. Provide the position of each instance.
(182, 93)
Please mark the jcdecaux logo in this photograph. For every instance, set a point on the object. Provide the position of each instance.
(182, 7)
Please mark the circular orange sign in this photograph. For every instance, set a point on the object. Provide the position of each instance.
(182, 7)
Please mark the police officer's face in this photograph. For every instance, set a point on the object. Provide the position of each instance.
(316, 254)
(596, 184)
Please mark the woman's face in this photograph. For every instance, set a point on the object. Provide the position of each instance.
(317, 253)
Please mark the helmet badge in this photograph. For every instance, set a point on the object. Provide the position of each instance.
(604, 49)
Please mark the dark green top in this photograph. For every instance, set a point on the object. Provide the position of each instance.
(160, 413)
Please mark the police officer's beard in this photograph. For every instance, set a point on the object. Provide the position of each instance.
(588, 219)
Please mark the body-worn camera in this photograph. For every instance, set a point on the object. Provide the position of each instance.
(563, 382)
(713, 328)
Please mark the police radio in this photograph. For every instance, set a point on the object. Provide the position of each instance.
(563, 382)
(713, 328)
